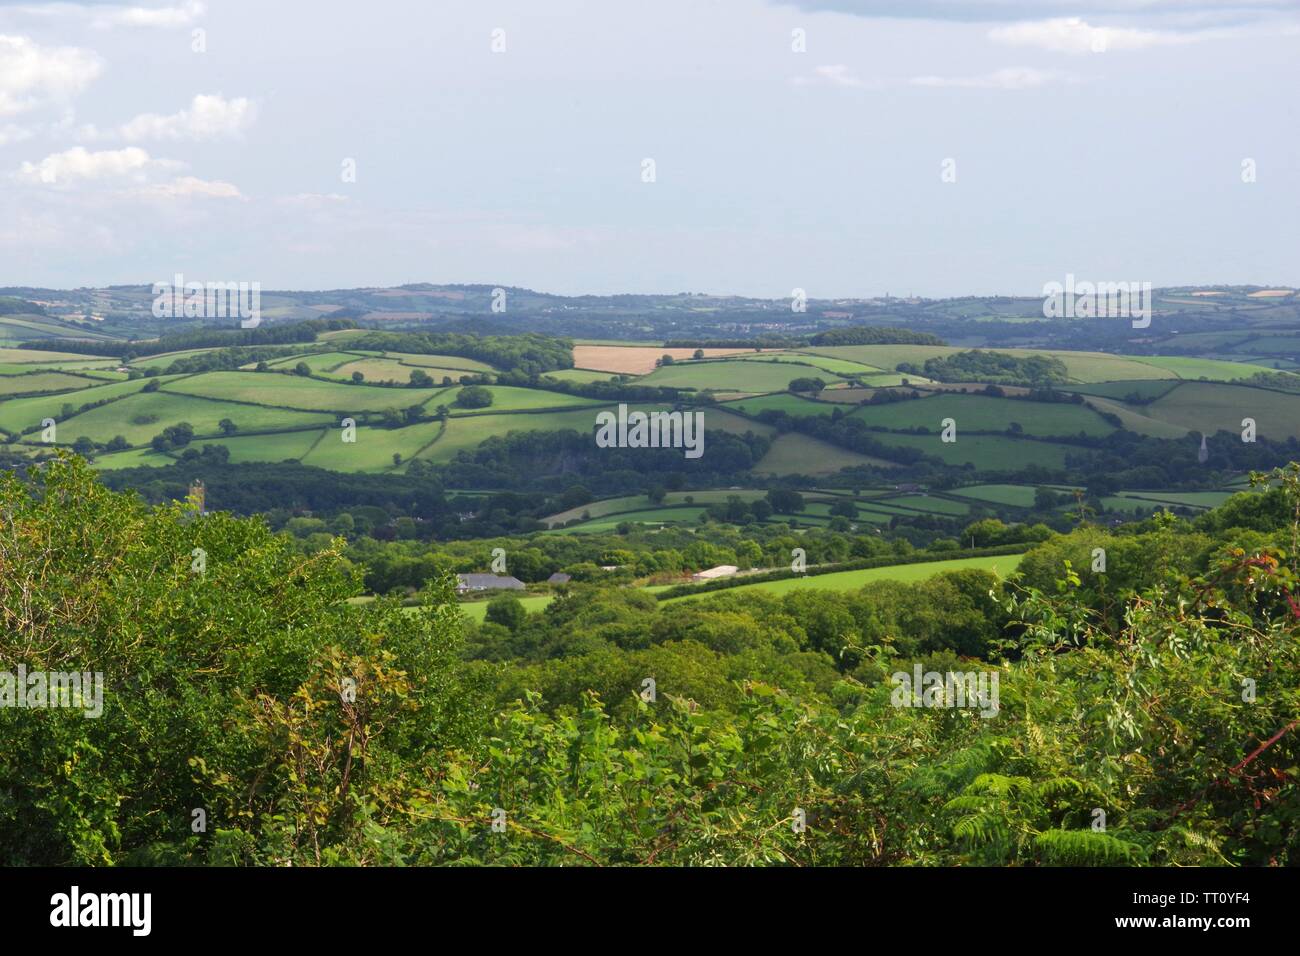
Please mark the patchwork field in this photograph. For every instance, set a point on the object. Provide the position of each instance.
(300, 410)
(293, 391)
(1002, 565)
(981, 413)
(1209, 408)
(633, 359)
(743, 376)
(795, 454)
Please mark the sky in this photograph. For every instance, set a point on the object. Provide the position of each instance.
(844, 147)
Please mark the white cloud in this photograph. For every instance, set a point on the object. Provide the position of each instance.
(1008, 78)
(1074, 35)
(836, 74)
(208, 117)
(189, 187)
(312, 200)
(32, 75)
(78, 163)
(9, 133)
(179, 16)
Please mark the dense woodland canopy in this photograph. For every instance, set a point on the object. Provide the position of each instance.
(1162, 692)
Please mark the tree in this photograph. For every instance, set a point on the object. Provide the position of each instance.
(785, 502)
(666, 359)
(506, 610)
(657, 495)
(227, 426)
(358, 377)
(84, 447)
(474, 396)
(420, 379)
(264, 730)
(303, 369)
(807, 385)
(397, 458)
(699, 354)
(151, 386)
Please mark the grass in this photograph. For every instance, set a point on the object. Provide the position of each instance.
(985, 452)
(1001, 565)
(581, 375)
(507, 398)
(25, 356)
(467, 432)
(1193, 368)
(609, 506)
(373, 449)
(982, 413)
(686, 514)
(41, 382)
(1080, 366)
(940, 506)
(833, 365)
(118, 418)
(19, 413)
(477, 610)
(1017, 496)
(743, 376)
(278, 447)
(1209, 408)
(1121, 390)
(781, 401)
(297, 392)
(793, 453)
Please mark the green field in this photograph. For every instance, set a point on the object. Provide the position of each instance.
(19, 413)
(731, 374)
(781, 401)
(373, 449)
(1193, 368)
(1018, 496)
(296, 392)
(468, 432)
(931, 504)
(809, 359)
(27, 356)
(477, 610)
(127, 418)
(506, 398)
(582, 375)
(685, 514)
(1080, 366)
(796, 454)
(1001, 565)
(41, 382)
(1120, 390)
(1209, 408)
(985, 452)
(982, 413)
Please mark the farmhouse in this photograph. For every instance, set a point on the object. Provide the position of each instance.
(487, 582)
(559, 577)
(721, 571)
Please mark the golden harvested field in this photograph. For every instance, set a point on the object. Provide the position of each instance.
(634, 359)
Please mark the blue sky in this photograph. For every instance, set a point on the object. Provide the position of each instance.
(1105, 139)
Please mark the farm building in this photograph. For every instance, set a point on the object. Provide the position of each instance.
(487, 582)
(559, 577)
(721, 571)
